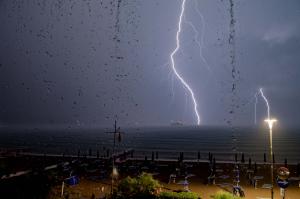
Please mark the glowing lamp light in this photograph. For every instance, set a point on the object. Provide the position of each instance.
(115, 172)
(270, 122)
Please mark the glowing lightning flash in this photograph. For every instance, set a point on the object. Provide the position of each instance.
(173, 63)
(197, 42)
(269, 121)
(200, 42)
(266, 101)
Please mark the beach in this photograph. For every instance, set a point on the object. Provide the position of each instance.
(198, 181)
(94, 175)
(161, 151)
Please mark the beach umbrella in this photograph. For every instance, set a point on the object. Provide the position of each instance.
(73, 180)
(283, 173)
(214, 165)
(243, 158)
(180, 156)
(183, 182)
(190, 175)
(210, 157)
(258, 177)
(131, 154)
(236, 174)
(224, 177)
(249, 163)
(285, 162)
(119, 136)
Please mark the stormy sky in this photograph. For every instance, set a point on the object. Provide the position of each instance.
(85, 63)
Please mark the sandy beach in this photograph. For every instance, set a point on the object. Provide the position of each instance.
(198, 181)
(86, 188)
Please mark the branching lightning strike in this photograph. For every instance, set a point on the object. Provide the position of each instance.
(173, 53)
(199, 43)
(261, 92)
(266, 101)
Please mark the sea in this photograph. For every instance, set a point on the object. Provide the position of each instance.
(224, 143)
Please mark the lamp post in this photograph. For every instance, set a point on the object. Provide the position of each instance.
(270, 123)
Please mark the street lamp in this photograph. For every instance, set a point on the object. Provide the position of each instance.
(270, 123)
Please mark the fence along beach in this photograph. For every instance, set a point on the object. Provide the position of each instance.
(167, 142)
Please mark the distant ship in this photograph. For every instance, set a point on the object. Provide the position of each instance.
(176, 123)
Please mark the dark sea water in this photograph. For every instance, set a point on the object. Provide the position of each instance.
(168, 141)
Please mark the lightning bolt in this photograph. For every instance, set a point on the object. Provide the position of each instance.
(199, 43)
(196, 33)
(266, 101)
(199, 36)
(173, 53)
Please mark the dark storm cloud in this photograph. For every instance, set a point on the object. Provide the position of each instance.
(86, 62)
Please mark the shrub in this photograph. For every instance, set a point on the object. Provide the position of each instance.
(143, 186)
(225, 195)
(181, 195)
(128, 187)
(147, 184)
